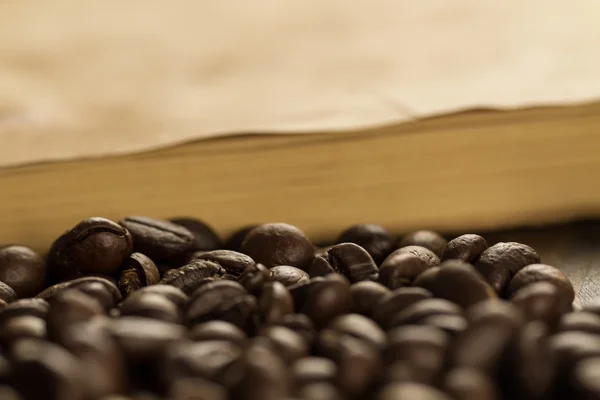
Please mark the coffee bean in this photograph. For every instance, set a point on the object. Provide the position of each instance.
(541, 301)
(422, 309)
(301, 324)
(7, 294)
(541, 272)
(365, 295)
(375, 239)
(328, 299)
(25, 307)
(104, 296)
(569, 349)
(205, 238)
(348, 259)
(55, 373)
(274, 303)
(290, 345)
(151, 305)
(319, 391)
(460, 283)
(67, 309)
(586, 377)
(400, 270)
(309, 370)
(496, 309)
(424, 238)
(50, 292)
(129, 282)
(466, 248)
(21, 327)
(403, 371)
(138, 271)
(395, 302)
(578, 321)
(162, 241)
(301, 290)
(234, 263)
(469, 384)
(288, 275)
(95, 245)
(189, 277)
(359, 327)
(217, 330)
(23, 270)
(423, 348)
(419, 251)
(427, 278)
(192, 388)
(235, 240)
(278, 244)
(412, 391)
(172, 293)
(451, 324)
(254, 278)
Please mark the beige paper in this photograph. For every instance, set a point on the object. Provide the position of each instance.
(83, 78)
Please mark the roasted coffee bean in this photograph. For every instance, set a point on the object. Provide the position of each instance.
(541, 272)
(235, 240)
(25, 307)
(359, 327)
(151, 305)
(288, 275)
(96, 245)
(403, 371)
(67, 309)
(7, 294)
(428, 239)
(196, 389)
(138, 271)
(395, 302)
(301, 290)
(23, 270)
(541, 301)
(348, 259)
(189, 277)
(422, 309)
(451, 324)
(21, 327)
(274, 303)
(319, 391)
(205, 238)
(301, 324)
(419, 251)
(234, 263)
(427, 278)
(496, 309)
(327, 299)
(400, 270)
(217, 330)
(586, 377)
(290, 345)
(568, 350)
(412, 391)
(100, 293)
(470, 384)
(365, 295)
(172, 293)
(162, 241)
(278, 244)
(309, 370)
(42, 370)
(129, 282)
(254, 278)
(375, 239)
(501, 261)
(466, 248)
(578, 321)
(422, 348)
(50, 292)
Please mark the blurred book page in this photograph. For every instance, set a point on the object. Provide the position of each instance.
(82, 78)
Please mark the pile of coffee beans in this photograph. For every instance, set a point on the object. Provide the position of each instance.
(148, 309)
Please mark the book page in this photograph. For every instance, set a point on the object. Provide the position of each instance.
(83, 78)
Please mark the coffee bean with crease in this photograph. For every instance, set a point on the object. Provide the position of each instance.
(68, 309)
(541, 301)
(191, 276)
(95, 245)
(583, 321)
(217, 330)
(375, 239)
(21, 327)
(7, 294)
(234, 263)
(395, 302)
(412, 391)
(327, 299)
(235, 240)
(359, 327)
(301, 324)
(419, 251)
(81, 283)
(422, 309)
(466, 248)
(311, 370)
(501, 261)
(205, 238)
(348, 259)
(288, 275)
(172, 293)
(289, 345)
(540, 272)
(301, 290)
(138, 271)
(254, 278)
(150, 305)
(274, 304)
(162, 241)
(365, 296)
(25, 308)
(470, 384)
(400, 270)
(23, 270)
(429, 239)
(100, 293)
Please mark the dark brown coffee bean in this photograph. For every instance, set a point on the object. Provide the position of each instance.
(395, 302)
(100, 293)
(422, 309)
(301, 290)
(427, 278)
(222, 300)
(234, 263)
(161, 240)
(7, 294)
(151, 305)
(400, 270)
(359, 327)
(451, 324)
(196, 389)
(403, 371)
(189, 277)
(310, 370)
(138, 271)
(54, 372)
(569, 349)
(469, 384)
(541, 272)
(412, 391)
(327, 299)
(21, 327)
(23, 270)
(254, 278)
(586, 377)
(67, 309)
(577, 321)
(217, 330)
(205, 238)
(96, 245)
(172, 293)
(50, 292)
(129, 282)
(301, 324)
(290, 345)
(422, 348)
(541, 301)
(288, 275)
(496, 309)
(375, 239)
(428, 239)
(235, 240)
(466, 248)
(319, 391)
(278, 244)
(348, 259)
(274, 303)
(25, 307)
(419, 251)
(365, 295)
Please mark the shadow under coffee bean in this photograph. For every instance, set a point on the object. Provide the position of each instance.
(154, 309)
